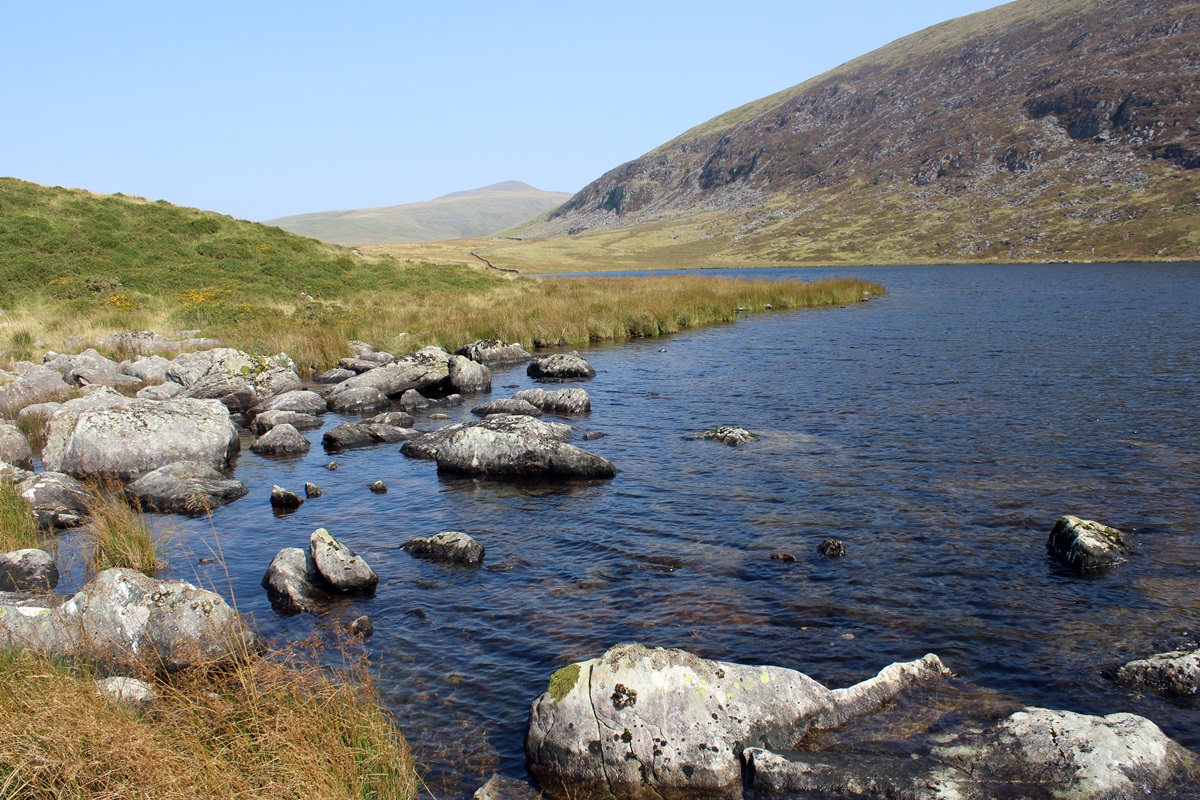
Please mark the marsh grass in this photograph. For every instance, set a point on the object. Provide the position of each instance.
(18, 528)
(118, 535)
(280, 725)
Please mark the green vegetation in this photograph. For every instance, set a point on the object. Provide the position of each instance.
(563, 681)
(18, 528)
(280, 725)
(118, 534)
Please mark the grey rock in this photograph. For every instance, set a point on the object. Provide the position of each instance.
(185, 487)
(480, 451)
(396, 419)
(1175, 674)
(359, 398)
(284, 499)
(332, 466)
(28, 570)
(301, 401)
(358, 365)
(336, 375)
(494, 351)
(412, 400)
(560, 367)
(125, 691)
(725, 434)
(426, 445)
(57, 500)
(832, 548)
(311, 490)
(11, 473)
(14, 447)
(468, 377)
(163, 391)
(676, 722)
(269, 419)
(501, 788)
(509, 405)
(281, 440)
(362, 626)
(360, 348)
(425, 369)
(339, 566)
(38, 410)
(353, 434)
(378, 487)
(292, 583)
(152, 369)
(557, 401)
(449, 546)
(786, 558)
(1085, 546)
(123, 616)
(31, 386)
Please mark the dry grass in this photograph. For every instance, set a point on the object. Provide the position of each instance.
(280, 726)
(118, 535)
(18, 528)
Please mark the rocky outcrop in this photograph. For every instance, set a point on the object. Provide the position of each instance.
(639, 721)
(560, 367)
(449, 546)
(14, 447)
(496, 453)
(237, 379)
(127, 438)
(353, 434)
(494, 351)
(29, 570)
(426, 445)
(508, 405)
(1175, 674)
(281, 440)
(122, 616)
(57, 500)
(291, 583)
(185, 487)
(338, 565)
(725, 434)
(468, 377)
(557, 401)
(424, 369)
(35, 384)
(1084, 546)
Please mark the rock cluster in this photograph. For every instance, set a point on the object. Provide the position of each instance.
(304, 581)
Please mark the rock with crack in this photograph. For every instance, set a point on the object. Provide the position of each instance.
(185, 487)
(501, 454)
(57, 499)
(560, 367)
(426, 445)
(338, 565)
(557, 401)
(639, 721)
(1175, 674)
(449, 546)
(1084, 546)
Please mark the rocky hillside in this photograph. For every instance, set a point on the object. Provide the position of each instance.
(479, 212)
(1037, 130)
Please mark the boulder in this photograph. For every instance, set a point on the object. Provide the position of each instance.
(378, 487)
(353, 434)
(123, 616)
(292, 582)
(725, 434)
(832, 548)
(152, 369)
(31, 386)
(360, 348)
(560, 367)
(642, 721)
(269, 419)
(127, 438)
(85, 376)
(311, 490)
(412, 400)
(397, 419)
(301, 401)
(494, 351)
(425, 369)
(237, 379)
(38, 410)
(57, 500)
(557, 401)
(449, 546)
(284, 499)
(281, 440)
(338, 565)
(508, 405)
(426, 445)
(360, 398)
(185, 487)
(358, 365)
(335, 375)
(14, 447)
(481, 451)
(1084, 546)
(11, 473)
(162, 391)
(1175, 674)
(468, 377)
(29, 570)
(146, 342)
(70, 365)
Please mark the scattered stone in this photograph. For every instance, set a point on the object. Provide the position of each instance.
(292, 581)
(396, 419)
(378, 487)
(362, 627)
(832, 548)
(185, 487)
(511, 405)
(1175, 674)
(500, 788)
(787, 558)
(129, 692)
(468, 377)
(336, 375)
(557, 401)
(494, 351)
(311, 490)
(57, 499)
(353, 434)
(28, 570)
(269, 419)
(1085, 546)
(281, 440)
(285, 500)
(14, 447)
(560, 367)
(451, 546)
(726, 434)
(593, 436)
(332, 466)
(338, 565)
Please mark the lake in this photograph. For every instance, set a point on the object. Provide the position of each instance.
(938, 432)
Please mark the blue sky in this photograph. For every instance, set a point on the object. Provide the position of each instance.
(264, 109)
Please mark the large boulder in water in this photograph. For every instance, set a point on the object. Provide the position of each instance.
(560, 367)
(642, 721)
(507, 405)
(557, 401)
(493, 453)
(300, 401)
(185, 487)
(124, 616)
(292, 581)
(281, 440)
(339, 566)
(426, 445)
(424, 369)
(128, 437)
(495, 351)
(468, 377)
(1175, 674)
(1084, 546)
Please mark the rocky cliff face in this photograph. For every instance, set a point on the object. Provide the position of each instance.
(1007, 104)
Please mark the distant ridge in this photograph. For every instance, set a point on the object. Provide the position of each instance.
(458, 215)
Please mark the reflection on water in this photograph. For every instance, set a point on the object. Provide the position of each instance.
(938, 432)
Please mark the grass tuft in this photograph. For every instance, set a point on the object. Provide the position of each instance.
(119, 536)
(18, 527)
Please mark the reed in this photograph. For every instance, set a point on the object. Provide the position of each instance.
(18, 528)
(118, 535)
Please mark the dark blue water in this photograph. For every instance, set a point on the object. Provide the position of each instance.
(938, 432)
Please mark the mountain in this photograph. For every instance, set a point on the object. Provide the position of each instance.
(479, 212)
(1038, 130)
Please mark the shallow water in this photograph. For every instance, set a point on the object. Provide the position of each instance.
(938, 432)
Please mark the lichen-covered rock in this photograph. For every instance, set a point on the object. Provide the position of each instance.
(412, 401)
(237, 379)
(29, 570)
(1085, 546)
(481, 451)
(281, 440)
(292, 581)
(162, 391)
(57, 499)
(84, 376)
(127, 691)
(450, 546)
(396, 419)
(36, 384)
(127, 437)
(725, 434)
(468, 377)
(300, 401)
(426, 445)
(14, 447)
(335, 375)
(147, 368)
(338, 565)
(123, 616)
(507, 405)
(557, 401)
(1175, 674)
(358, 398)
(353, 434)
(560, 367)
(639, 721)
(495, 351)
(425, 369)
(38, 410)
(185, 487)
(269, 419)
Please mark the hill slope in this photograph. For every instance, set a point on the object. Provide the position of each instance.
(479, 212)
(1040, 129)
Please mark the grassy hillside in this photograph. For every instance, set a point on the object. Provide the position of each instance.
(1035, 131)
(479, 212)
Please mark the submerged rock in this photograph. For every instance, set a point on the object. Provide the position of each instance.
(312, 490)
(832, 548)
(725, 434)
(560, 367)
(1175, 674)
(185, 487)
(1085, 546)
(452, 546)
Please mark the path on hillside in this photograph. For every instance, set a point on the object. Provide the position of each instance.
(515, 241)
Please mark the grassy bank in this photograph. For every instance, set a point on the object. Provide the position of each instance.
(279, 726)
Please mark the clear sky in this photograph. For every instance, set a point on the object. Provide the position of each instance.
(265, 109)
